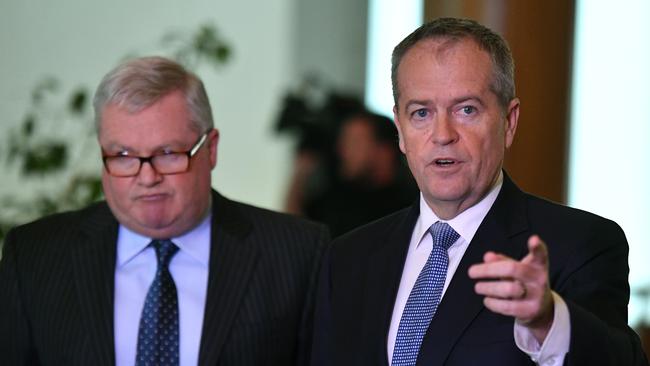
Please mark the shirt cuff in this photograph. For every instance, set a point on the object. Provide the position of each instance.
(556, 344)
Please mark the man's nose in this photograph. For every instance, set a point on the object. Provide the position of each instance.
(148, 176)
(443, 130)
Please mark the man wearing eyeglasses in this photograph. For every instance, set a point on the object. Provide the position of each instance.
(166, 271)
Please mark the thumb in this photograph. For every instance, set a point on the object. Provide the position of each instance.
(537, 252)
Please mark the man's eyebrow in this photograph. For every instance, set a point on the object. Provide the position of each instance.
(468, 98)
(114, 146)
(458, 100)
(422, 102)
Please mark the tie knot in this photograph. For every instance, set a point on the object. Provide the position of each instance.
(165, 250)
(443, 235)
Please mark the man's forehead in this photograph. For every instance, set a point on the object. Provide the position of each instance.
(443, 62)
(456, 67)
(122, 114)
(444, 49)
(126, 131)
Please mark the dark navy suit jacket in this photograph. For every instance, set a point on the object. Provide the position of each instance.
(588, 268)
(57, 286)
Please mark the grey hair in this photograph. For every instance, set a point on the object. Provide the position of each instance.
(141, 82)
(503, 83)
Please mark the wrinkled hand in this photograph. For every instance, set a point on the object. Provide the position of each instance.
(518, 288)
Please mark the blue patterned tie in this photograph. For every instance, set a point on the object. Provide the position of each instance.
(424, 298)
(158, 334)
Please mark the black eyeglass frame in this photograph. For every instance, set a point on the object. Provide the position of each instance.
(150, 159)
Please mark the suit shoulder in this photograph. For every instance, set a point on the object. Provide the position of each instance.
(573, 222)
(260, 215)
(68, 221)
(47, 236)
(560, 212)
(273, 231)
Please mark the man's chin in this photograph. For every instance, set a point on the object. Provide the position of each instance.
(156, 227)
(447, 197)
(446, 191)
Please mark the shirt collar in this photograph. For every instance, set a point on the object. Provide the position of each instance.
(466, 223)
(195, 243)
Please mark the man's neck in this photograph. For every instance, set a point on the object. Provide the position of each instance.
(447, 210)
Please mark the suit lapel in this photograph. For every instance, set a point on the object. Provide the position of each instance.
(232, 260)
(94, 269)
(385, 267)
(460, 305)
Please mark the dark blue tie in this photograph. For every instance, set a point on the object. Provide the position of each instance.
(424, 298)
(158, 334)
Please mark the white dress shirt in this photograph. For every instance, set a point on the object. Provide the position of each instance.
(134, 272)
(550, 353)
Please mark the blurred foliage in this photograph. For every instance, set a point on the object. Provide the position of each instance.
(204, 45)
(40, 154)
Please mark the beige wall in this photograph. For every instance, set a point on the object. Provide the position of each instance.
(540, 34)
(78, 41)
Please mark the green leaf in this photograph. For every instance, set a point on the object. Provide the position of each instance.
(28, 125)
(222, 53)
(15, 147)
(45, 158)
(78, 101)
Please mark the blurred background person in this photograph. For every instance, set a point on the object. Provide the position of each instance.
(347, 168)
(372, 179)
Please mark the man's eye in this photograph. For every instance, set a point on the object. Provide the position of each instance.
(421, 113)
(170, 156)
(468, 109)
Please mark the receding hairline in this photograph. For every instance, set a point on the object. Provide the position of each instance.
(455, 28)
(443, 45)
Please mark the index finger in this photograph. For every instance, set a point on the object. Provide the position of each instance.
(505, 268)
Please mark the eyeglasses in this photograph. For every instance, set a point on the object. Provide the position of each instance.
(165, 163)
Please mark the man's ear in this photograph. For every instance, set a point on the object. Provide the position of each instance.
(213, 142)
(399, 128)
(512, 117)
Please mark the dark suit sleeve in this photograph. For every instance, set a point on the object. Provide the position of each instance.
(307, 328)
(597, 294)
(15, 342)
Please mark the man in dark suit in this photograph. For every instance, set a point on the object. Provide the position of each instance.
(476, 272)
(166, 271)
